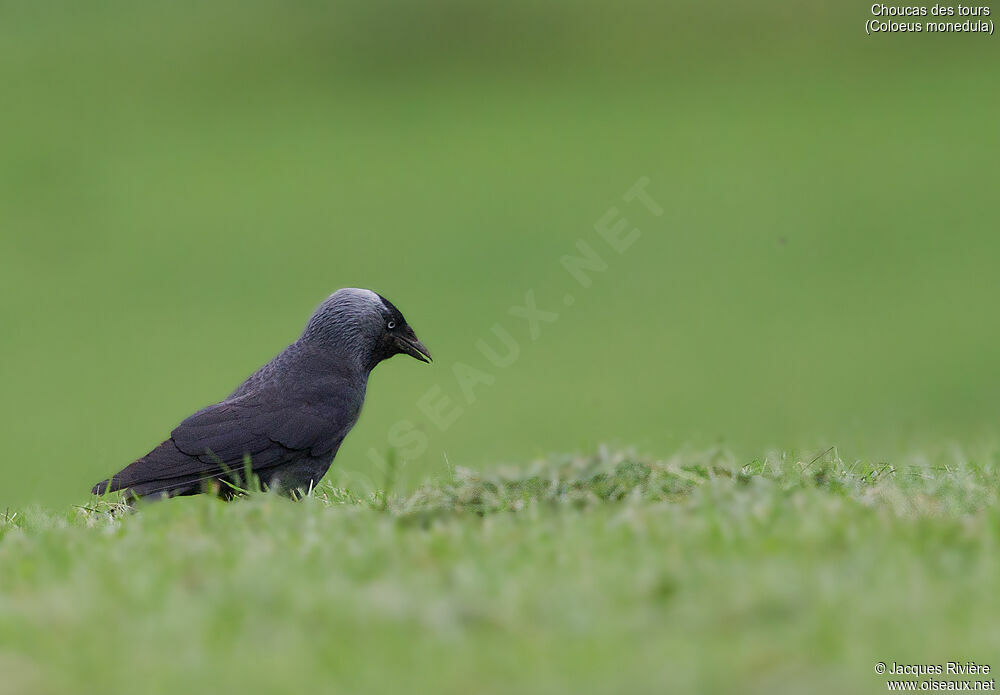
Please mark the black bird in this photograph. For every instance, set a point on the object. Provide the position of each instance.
(288, 419)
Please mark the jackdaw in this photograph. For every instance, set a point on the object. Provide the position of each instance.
(286, 422)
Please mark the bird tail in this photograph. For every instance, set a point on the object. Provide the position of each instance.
(140, 479)
(113, 484)
(147, 489)
(104, 487)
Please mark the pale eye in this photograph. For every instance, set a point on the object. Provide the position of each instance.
(390, 325)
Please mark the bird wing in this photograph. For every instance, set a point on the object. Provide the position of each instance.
(263, 426)
(232, 429)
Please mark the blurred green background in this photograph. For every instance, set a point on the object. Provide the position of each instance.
(181, 184)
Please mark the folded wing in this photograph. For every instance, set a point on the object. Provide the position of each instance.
(218, 440)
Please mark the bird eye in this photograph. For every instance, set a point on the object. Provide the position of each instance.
(390, 325)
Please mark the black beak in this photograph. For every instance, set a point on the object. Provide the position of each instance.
(414, 348)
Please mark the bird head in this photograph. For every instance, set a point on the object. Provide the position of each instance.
(363, 325)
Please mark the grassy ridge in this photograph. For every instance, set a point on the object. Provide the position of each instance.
(608, 573)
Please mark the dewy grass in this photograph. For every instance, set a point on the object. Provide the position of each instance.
(612, 572)
(611, 476)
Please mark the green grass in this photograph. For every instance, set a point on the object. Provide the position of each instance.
(605, 573)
